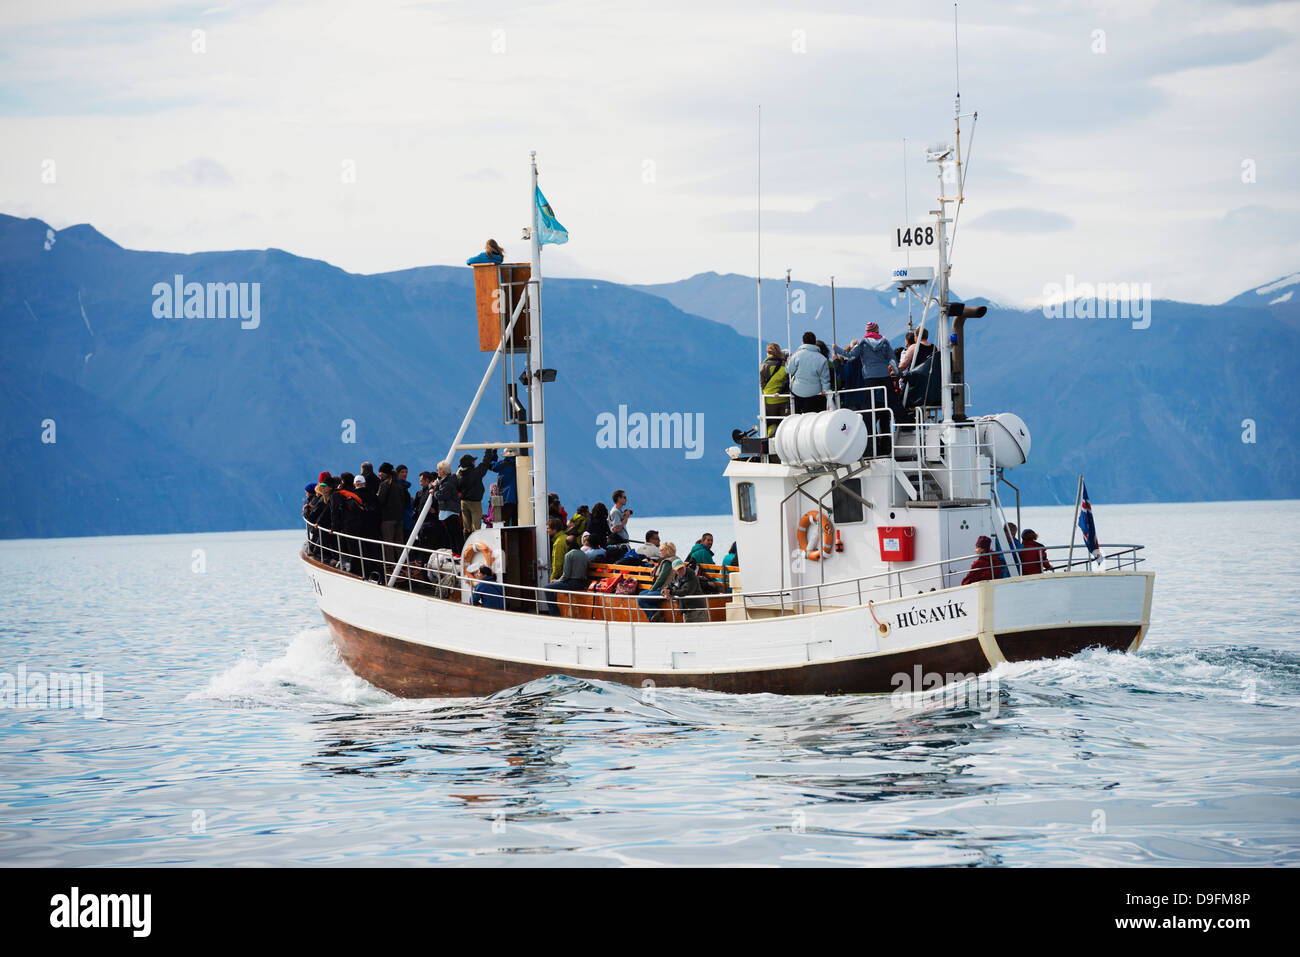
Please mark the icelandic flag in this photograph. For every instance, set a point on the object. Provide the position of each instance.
(549, 229)
(1088, 526)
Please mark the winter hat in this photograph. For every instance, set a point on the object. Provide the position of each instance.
(309, 488)
(324, 477)
(467, 461)
(983, 542)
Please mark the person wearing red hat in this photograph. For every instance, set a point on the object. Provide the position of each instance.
(981, 570)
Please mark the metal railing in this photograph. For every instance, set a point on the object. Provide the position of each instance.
(900, 583)
(439, 574)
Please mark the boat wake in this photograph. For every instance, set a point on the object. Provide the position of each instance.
(310, 676)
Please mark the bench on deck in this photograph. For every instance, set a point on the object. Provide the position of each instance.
(603, 606)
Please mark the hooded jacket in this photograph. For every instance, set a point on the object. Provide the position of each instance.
(875, 357)
(809, 372)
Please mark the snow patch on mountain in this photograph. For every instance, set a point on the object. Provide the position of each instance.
(1290, 280)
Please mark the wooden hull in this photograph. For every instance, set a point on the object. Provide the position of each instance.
(412, 670)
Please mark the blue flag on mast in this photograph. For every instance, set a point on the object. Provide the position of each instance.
(1088, 526)
(549, 229)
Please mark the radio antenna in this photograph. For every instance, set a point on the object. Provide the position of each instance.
(907, 219)
(758, 254)
(956, 55)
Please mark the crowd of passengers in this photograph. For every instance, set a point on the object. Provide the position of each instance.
(375, 513)
(803, 380)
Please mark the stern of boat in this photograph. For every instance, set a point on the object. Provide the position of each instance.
(1055, 616)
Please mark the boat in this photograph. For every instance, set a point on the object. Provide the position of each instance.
(857, 524)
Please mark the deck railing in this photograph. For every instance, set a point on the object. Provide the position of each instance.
(900, 583)
(437, 573)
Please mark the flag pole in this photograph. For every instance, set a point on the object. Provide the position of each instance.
(1078, 500)
(537, 409)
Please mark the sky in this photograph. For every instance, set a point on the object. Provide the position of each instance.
(1118, 141)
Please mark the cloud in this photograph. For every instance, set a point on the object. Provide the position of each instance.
(646, 131)
(198, 173)
(1022, 219)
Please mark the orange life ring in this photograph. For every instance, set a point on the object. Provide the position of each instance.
(828, 535)
(482, 549)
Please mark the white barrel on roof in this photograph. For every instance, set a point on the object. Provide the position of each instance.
(834, 437)
(1005, 437)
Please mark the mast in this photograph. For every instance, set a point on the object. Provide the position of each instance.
(952, 154)
(945, 347)
(758, 255)
(536, 408)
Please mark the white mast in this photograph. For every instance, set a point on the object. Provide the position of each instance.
(952, 155)
(945, 347)
(758, 271)
(536, 409)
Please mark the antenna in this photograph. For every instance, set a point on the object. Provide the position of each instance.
(956, 111)
(835, 339)
(956, 55)
(907, 220)
(787, 310)
(758, 252)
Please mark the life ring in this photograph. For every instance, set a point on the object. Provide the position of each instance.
(480, 548)
(828, 535)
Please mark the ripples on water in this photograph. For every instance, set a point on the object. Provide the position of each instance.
(232, 734)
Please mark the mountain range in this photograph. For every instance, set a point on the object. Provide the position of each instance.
(133, 417)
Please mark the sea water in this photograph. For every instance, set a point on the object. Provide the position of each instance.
(227, 731)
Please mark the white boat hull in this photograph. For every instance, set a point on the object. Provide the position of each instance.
(416, 646)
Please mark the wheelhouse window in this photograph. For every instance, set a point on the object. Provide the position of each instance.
(845, 507)
(746, 502)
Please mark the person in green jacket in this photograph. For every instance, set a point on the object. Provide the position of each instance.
(775, 382)
(702, 551)
(559, 545)
(578, 523)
